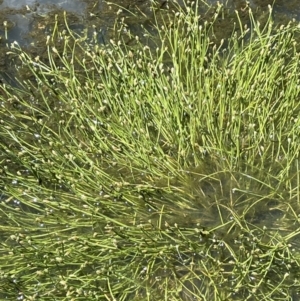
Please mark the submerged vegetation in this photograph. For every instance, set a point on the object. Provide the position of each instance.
(162, 168)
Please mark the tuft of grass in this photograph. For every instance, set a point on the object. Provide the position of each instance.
(131, 172)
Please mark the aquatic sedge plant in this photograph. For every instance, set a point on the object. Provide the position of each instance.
(132, 172)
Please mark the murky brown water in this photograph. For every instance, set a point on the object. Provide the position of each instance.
(27, 20)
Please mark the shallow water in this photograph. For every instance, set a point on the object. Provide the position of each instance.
(21, 14)
(42, 6)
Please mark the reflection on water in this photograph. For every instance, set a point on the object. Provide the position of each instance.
(43, 6)
(22, 15)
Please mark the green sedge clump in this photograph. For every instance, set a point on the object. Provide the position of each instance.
(155, 168)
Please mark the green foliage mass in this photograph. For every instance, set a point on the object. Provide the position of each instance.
(139, 172)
